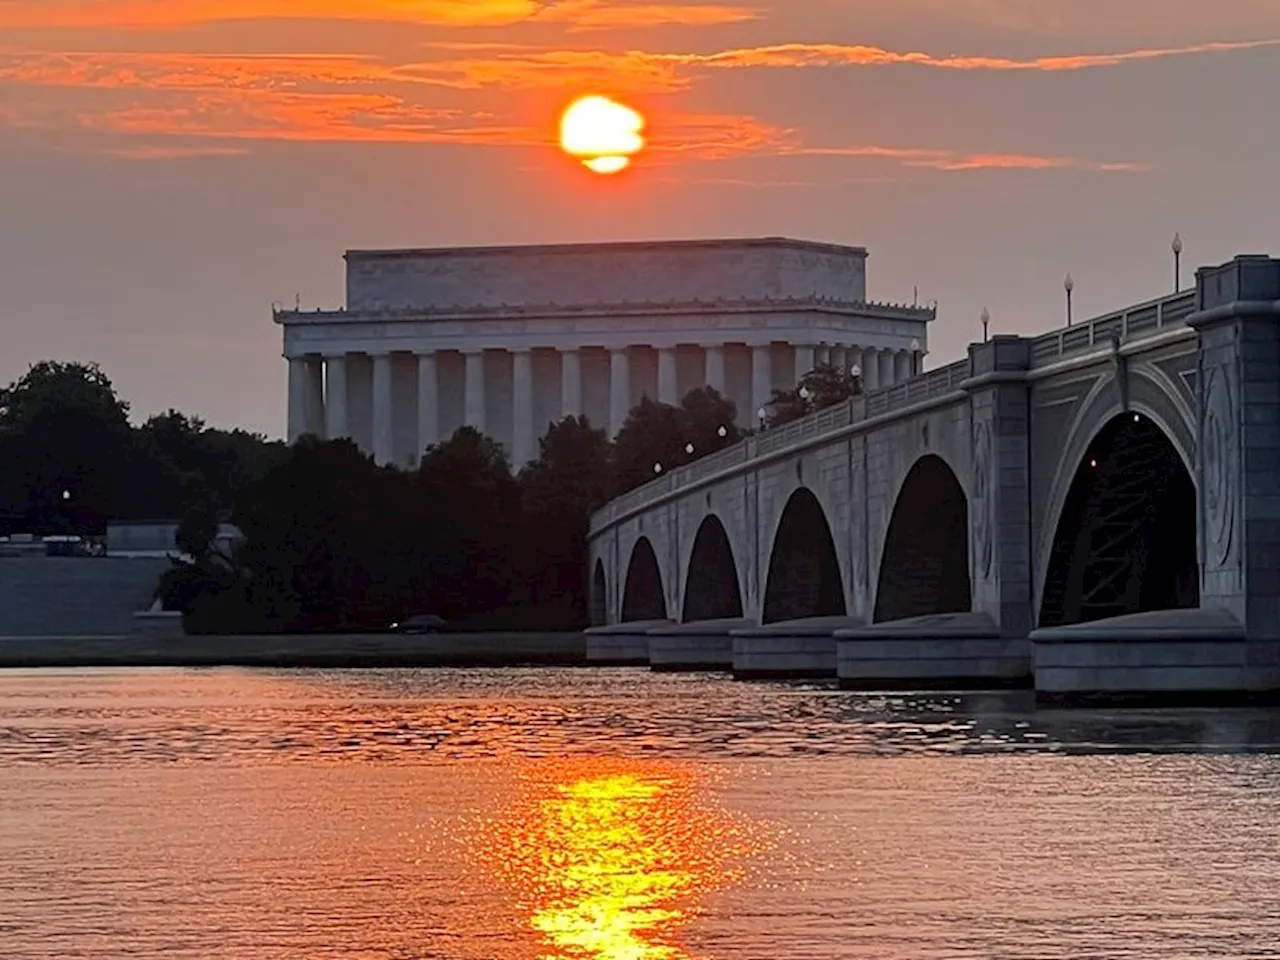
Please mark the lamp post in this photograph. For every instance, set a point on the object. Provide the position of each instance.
(1176, 247)
(986, 320)
(915, 357)
(762, 416)
(1068, 285)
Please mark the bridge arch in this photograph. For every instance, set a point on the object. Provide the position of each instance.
(804, 570)
(599, 596)
(924, 567)
(642, 596)
(1124, 534)
(711, 590)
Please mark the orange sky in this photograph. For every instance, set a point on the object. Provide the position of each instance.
(173, 166)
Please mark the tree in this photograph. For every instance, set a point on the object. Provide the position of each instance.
(709, 421)
(66, 449)
(559, 491)
(314, 528)
(650, 441)
(662, 436)
(824, 386)
(471, 504)
(198, 528)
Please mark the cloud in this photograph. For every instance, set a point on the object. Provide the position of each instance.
(168, 14)
(829, 54)
(953, 160)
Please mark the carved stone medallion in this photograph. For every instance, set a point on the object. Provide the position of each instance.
(1221, 463)
(981, 511)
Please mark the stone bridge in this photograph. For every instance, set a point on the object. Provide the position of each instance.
(1097, 507)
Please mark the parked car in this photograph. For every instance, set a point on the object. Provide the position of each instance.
(419, 623)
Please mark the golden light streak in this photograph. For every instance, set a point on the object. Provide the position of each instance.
(610, 859)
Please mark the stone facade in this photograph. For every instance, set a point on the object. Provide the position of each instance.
(510, 339)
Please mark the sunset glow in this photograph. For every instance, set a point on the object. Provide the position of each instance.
(609, 859)
(602, 133)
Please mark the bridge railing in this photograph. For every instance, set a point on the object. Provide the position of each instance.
(926, 386)
(1142, 320)
(1131, 323)
(935, 383)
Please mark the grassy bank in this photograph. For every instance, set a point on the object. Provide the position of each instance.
(294, 650)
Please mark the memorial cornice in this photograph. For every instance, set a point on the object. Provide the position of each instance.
(552, 311)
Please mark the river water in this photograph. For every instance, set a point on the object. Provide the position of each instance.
(619, 815)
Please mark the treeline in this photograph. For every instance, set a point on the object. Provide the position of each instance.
(333, 541)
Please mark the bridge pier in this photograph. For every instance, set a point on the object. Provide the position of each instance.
(1228, 648)
(950, 651)
(703, 645)
(621, 644)
(797, 649)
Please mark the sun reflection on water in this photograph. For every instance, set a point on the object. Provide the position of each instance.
(608, 859)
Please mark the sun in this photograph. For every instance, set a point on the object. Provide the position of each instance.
(601, 133)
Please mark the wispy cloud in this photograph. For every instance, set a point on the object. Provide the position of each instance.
(168, 14)
(827, 55)
(958, 160)
(361, 99)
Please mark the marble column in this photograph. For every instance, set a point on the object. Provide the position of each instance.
(870, 369)
(383, 430)
(297, 397)
(315, 396)
(902, 365)
(428, 402)
(917, 362)
(668, 390)
(522, 440)
(839, 359)
(713, 361)
(473, 391)
(619, 388)
(335, 401)
(570, 383)
(804, 360)
(886, 367)
(822, 355)
(761, 377)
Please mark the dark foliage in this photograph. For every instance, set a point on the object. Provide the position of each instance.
(823, 386)
(332, 542)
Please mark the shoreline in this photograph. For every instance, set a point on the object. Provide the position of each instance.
(337, 650)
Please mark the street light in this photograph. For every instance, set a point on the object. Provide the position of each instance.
(762, 415)
(657, 468)
(66, 494)
(986, 320)
(1176, 247)
(1068, 285)
(805, 393)
(688, 448)
(915, 357)
(723, 431)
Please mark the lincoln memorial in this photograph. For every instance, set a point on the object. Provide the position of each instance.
(511, 339)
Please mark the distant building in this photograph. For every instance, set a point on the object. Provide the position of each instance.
(510, 339)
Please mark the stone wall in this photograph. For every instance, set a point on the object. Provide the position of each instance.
(604, 273)
(75, 596)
